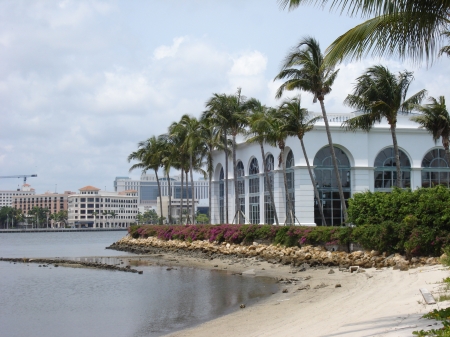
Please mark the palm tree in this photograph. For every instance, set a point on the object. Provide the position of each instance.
(407, 28)
(219, 113)
(297, 123)
(94, 214)
(436, 120)
(149, 157)
(229, 114)
(170, 158)
(379, 94)
(211, 136)
(305, 69)
(112, 214)
(190, 127)
(260, 125)
(277, 137)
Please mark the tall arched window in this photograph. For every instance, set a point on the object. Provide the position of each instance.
(435, 169)
(327, 185)
(386, 170)
(291, 190)
(221, 196)
(253, 186)
(269, 214)
(241, 189)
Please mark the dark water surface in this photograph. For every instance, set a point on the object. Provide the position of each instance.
(37, 301)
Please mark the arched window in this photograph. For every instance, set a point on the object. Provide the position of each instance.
(386, 170)
(326, 183)
(221, 196)
(253, 187)
(435, 169)
(241, 189)
(291, 190)
(269, 214)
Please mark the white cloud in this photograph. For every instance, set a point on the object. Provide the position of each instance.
(249, 64)
(168, 51)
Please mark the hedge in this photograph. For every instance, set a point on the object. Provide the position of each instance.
(415, 223)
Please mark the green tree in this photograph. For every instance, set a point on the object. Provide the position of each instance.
(229, 113)
(304, 69)
(379, 94)
(436, 120)
(202, 218)
(211, 137)
(149, 157)
(412, 29)
(260, 125)
(297, 122)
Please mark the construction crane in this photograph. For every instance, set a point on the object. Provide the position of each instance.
(24, 176)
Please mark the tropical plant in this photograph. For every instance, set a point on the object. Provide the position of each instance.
(297, 123)
(150, 157)
(304, 69)
(260, 124)
(436, 120)
(190, 127)
(379, 94)
(406, 28)
(228, 113)
(277, 137)
(211, 137)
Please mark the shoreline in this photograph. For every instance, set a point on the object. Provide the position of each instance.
(316, 300)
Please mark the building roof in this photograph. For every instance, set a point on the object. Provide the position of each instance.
(89, 188)
(127, 191)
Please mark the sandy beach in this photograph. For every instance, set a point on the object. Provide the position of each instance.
(383, 302)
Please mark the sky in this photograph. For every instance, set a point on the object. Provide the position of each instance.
(82, 82)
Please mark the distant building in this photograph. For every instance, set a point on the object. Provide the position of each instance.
(6, 197)
(54, 202)
(147, 189)
(94, 208)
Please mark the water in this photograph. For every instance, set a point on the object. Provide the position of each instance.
(37, 301)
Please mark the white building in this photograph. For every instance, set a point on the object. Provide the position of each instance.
(6, 197)
(366, 163)
(147, 189)
(92, 207)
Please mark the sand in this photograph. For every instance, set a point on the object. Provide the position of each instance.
(382, 302)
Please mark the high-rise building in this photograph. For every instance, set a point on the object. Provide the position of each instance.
(6, 197)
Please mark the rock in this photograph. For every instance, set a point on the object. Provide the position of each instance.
(338, 285)
(216, 265)
(353, 269)
(140, 272)
(322, 285)
(284, 291)
(360, 270)
(242, 306)
(304, 287)
(331, 271)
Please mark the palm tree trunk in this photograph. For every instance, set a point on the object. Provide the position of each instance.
(269, 183)
(397, 157)
(210, 189)
(192, 190)
(236, 196)
(181, 201)
(288, 197)
(226, 178)
(333, 157)
(160, 197)
(187, 198)
(170, 199)
(316, 191)
(445, 143)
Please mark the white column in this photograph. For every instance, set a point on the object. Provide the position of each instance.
(261, 199)
(279, 195)
(304, 197)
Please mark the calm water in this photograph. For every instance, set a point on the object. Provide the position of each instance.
(37, 301)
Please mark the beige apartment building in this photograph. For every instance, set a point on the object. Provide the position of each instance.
(54, 202)
(93, 208)
(6, 197)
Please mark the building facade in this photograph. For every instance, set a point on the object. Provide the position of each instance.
(54, 202)
(93, 208)
(147, 189)
(6, 197)
(366, 162)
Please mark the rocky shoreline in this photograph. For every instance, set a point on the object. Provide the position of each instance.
(71, 263)
(275, 254)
